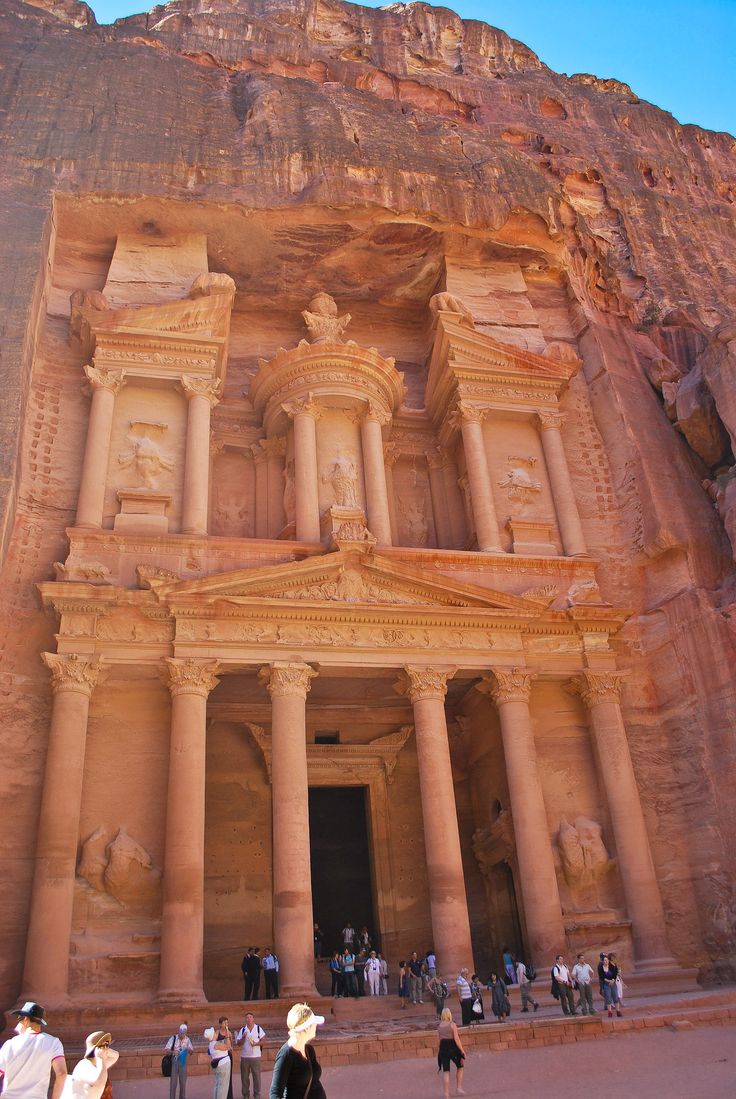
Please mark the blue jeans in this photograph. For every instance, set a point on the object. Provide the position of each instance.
(610, 995)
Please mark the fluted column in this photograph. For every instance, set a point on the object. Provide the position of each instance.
(390, 458)
(46, 971)
(104, 384)
(305, 413)
(469, 418)
(601, 692)
(426, 689)
(510, 689)
(435, 465)
(376, 493)
(275, 449)
(182, 913)
(202, 394)
(568, 517)
(293, 919)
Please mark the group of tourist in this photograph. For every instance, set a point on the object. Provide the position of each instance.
(566, 981)
(252, 966)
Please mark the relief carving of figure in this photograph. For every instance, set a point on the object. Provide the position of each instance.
(120, 868)
(520, 485)
(415, 521)
(289, 492)
(147, 460)
(343, 476)
(584, 860)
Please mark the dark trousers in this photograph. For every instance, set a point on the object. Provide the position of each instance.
(567, 999)
(252, 986)
(336, 983)
(272, 984)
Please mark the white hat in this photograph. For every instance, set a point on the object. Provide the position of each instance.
(209, 1034)
(182, 1028)
(306, 1016)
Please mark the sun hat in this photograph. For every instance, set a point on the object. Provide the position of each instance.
(31, 1011)
(301, 1017)
(97, 1038)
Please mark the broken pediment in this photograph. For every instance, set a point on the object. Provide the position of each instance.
(348, 576)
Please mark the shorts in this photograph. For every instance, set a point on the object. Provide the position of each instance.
(449, 1051)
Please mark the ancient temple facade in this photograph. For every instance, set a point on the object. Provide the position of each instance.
(328, 644)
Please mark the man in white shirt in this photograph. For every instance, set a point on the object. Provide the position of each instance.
(582, 975)
(525, 987)
(561, 974)
(373, 974)
(27, 1060)
(250, 1037)
(181, 1049)
(270, 972)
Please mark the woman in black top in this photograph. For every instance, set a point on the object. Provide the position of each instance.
(607, 974)
(297, 1072)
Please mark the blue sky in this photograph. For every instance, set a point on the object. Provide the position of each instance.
(679, 54)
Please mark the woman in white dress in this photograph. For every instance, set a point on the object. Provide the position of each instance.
(89, 1077)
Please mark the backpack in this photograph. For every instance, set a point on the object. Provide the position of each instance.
(531, 972)
(555, 989)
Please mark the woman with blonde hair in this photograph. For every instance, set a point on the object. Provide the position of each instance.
(450, 1049)
(297, 1071)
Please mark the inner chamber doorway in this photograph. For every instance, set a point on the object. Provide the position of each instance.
(341, 862)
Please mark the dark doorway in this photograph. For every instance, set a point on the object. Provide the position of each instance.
(341, 862)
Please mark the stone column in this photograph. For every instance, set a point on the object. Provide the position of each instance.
(568, 517)
(390, 457)
(454, 497)
(376, 493)
(202, 394)
(275, 449)
(510, 689)
(46, 972)
(469, 418)
(601, 693)
(435, 464)
(293, 919)
(261, 509)
(426, 689)
(182, 913)
(104, 385)
(305, 414)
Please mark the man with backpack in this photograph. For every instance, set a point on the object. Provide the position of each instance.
(525, 975)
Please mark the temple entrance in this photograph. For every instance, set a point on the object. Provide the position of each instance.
(341, 862)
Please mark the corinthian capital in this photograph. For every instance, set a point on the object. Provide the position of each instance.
(192, 677)
(75, 673)
(508, 685)
(376, 412)
(597, 687)
(419, 682)
(550, 421)
(201, 387)
(274, 447)
(99, 377)
(282, 678)
(303, 406)
(466, 413)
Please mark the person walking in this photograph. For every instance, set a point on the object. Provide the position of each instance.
(500, 1003)
(561, 975)
(28, 1059)
(450, 1051)
(524, 980)
(608, 973)
(89, 1076)
(181, 1049)
(508, 966)
(465, 996)
(582, 975)
(415, 979)
(297, 1072)
(439, 990)
(249, 1038)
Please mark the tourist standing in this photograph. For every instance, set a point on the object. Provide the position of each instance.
(384, 975)
(336, 975)
(348, 936)
(608, 974)
(181, 1049)
(347, 963)
(318, 938)
(219, 1052)
(252, 973)
(465, 996)
(250, 1038)
(439, 990)
(403, 984)
(431, 963)
(245, 967)
(582, 975)
(297, 1071)
(524, 980)
(477, 989)
(450, 1050)
(500, 1003)
(89, 1076)
(508, 966)
(270, 974)
(415, 979)
(619, 979)
(373, 974)
(561, 975)
(28, 1059)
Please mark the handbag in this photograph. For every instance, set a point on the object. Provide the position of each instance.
(477, 1007)
(166, 1064)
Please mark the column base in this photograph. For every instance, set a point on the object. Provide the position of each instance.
(298, 992)
(181, 996)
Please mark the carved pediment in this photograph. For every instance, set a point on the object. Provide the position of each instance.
(348, 576)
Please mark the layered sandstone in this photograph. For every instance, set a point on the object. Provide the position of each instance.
(383, 156)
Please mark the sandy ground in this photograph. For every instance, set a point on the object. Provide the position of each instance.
(690, 1064)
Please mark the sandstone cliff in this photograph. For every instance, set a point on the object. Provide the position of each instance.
(451, 145)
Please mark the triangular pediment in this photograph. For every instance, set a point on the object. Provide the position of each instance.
(349, 577)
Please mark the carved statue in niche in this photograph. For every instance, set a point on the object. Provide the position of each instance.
(145, 456)
(415, 521)
(120, 868)
(343, 476)
(519, 483)
(289, 492)
(584, 860)
(322, 320)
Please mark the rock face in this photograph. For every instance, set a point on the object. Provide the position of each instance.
(383, 157)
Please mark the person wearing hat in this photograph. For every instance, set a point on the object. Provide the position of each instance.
(89, 1077)
(27, 1060)
(181, 1049)
(297, 1072)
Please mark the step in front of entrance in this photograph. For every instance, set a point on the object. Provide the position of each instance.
(413, 1034)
